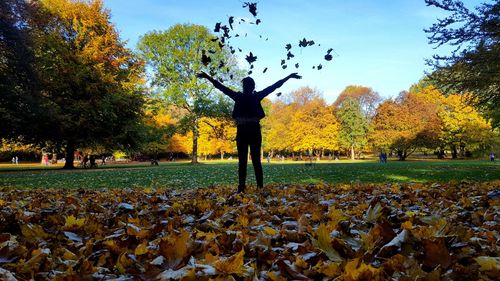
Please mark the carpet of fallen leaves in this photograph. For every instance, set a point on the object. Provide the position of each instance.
(285, 232)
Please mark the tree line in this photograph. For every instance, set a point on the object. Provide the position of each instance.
(68, 82)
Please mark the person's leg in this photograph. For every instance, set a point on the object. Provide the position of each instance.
(255, 146)
(242, 147)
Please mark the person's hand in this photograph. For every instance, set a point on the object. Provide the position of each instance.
(295, 76)
(202, 75)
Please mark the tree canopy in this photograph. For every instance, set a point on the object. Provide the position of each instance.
(472, 68)
(175, 57)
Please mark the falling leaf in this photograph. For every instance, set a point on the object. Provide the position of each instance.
(252, 8)
(319, 67)
(328, 57)
(288, 46)
(289, 55)
(258, 21)
(217, 27)
(231, 21)
(264, 71)
(303, 43)
(297, 65)
(250, 58)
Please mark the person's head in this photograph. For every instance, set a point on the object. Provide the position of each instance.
(248, 85)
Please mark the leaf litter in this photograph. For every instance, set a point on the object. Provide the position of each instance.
(285, 232)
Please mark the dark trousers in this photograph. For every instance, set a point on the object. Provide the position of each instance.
(249, 135)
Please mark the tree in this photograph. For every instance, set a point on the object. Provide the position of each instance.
(367, 98)
(463, 128)
(405, 124)
(175, 57)
(313, 127)
(88, 78)
(19, 99)
(353, 125)
(472, 68)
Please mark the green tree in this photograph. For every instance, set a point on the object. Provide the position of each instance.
(353, 125)
(88, 78)
(175, 57)
(367, 98)
(473, 65)
(19, 99)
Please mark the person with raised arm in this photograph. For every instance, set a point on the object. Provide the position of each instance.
(247, 112)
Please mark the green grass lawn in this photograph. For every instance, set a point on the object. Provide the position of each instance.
(185, 175)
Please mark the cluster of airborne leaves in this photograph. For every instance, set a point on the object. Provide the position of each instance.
(313, 232)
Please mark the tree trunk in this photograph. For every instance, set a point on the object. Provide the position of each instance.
(194, 155)
(70, 155)
(454, 152)
(222, 155)
(352, 152)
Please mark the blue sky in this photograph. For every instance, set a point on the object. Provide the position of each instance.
(379, 44)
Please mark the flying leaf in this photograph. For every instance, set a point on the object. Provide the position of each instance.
(303, 43)
(319, 67)
(217, 27)
(264, 71)
(250, 58)
(258, 21)
(297, 65)
(231, 21)
(289, 55)
(288, 46)
(328, 57)
(252, 8)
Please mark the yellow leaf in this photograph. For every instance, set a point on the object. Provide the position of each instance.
(335, 215)
(232, 264)
(175, 247)
(210, 259)
(270, 231)
(242, 220)
(330, 269)
(372, 214)
(207, 235)
(358, 270)
(300, 262)
(142, 248)
(68, 255)
(407, 225)
(123, 263)
(71, 222)
(324, 243)
(488, 263)
(275, 277)
(33, 231)
(2, 202)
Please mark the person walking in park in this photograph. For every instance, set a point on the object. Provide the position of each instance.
(492, 157)
(247, 112)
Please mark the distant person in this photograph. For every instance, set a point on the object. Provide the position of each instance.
(13, 160)
(492, 157)
(85, 160)
(16, 160)
(92, 162)
(247, 112)
(268, 159)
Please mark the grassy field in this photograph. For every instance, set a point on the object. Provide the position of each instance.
(185, 175)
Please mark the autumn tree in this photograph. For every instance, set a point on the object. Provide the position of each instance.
(405, 124)
(313, 127)
(472, 68)
(353, 125)
(217, 136)
(463, 128)
(88, 78)
(367, 98)
(175, 57)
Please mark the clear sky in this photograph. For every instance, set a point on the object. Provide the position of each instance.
(379, 44)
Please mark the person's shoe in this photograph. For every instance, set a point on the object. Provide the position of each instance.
(241, 188)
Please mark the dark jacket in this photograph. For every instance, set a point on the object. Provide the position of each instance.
(247, 106)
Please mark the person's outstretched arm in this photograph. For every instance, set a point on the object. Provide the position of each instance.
(262, 94)
(218, 85)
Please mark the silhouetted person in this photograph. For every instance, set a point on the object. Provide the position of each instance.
(492, 157)
(247, 112)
